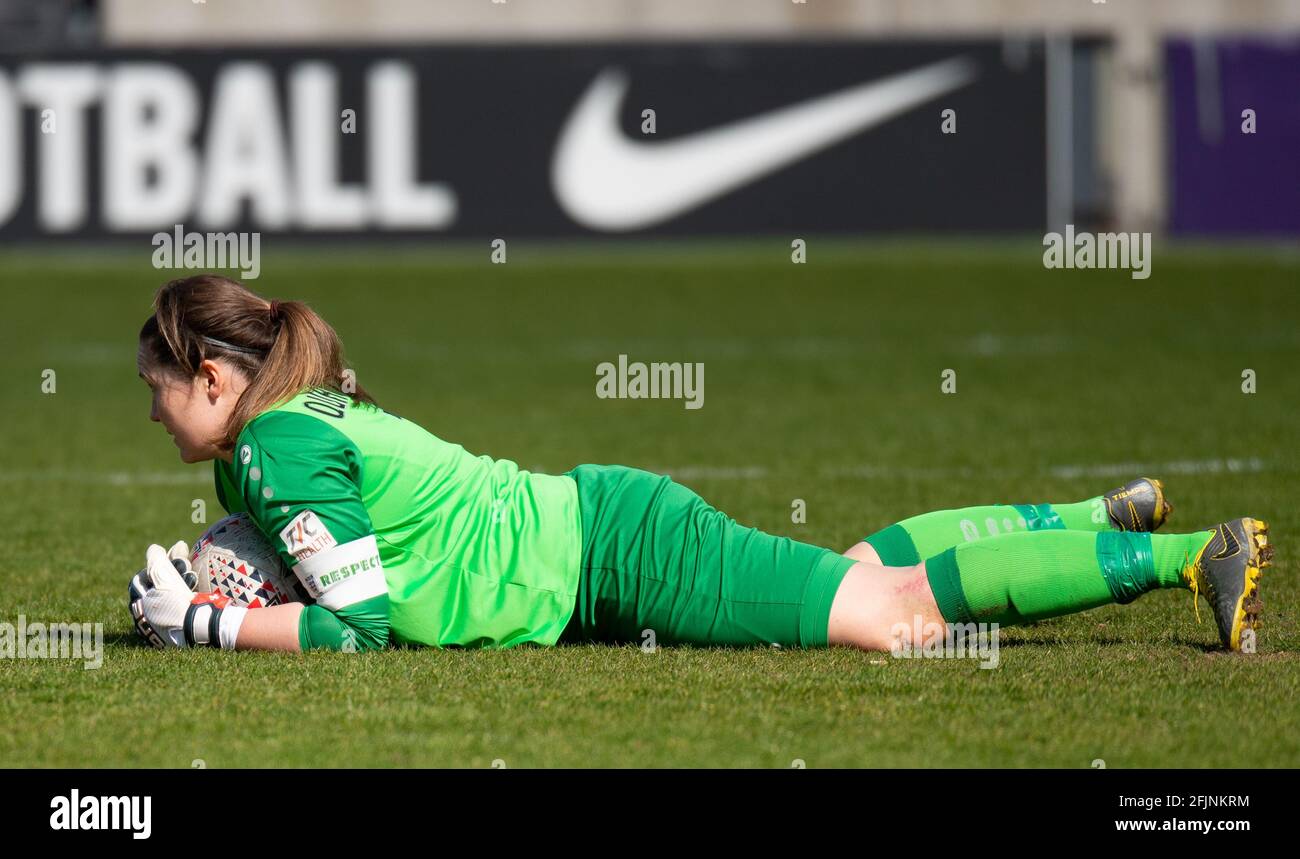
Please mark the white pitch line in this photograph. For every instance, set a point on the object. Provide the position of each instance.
(108, 478)
(708, 472)
(1252, 465)
(1183, 466)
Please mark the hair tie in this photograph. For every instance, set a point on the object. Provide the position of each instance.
(212, 341)
(274, 311)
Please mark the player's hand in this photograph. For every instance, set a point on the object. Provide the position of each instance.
(161, 599)
(179, 555)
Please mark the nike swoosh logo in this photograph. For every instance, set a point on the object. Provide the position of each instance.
(1231, 546)
(605, 181)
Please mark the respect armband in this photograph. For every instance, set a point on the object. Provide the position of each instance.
(344, 575)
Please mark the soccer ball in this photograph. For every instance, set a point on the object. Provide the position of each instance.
(232, 558)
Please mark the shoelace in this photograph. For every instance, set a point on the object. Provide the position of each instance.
(1196, 586)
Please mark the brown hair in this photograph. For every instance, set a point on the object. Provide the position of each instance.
(283, 347)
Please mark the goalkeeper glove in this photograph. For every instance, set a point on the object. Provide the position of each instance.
(167, 613)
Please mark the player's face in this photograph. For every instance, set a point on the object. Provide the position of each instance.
(189, 411)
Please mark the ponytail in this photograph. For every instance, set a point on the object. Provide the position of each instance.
(282, 347)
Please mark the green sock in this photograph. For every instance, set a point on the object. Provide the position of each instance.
(1020, 578)
(904, 544)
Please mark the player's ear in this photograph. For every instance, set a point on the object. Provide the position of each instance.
(215, 379)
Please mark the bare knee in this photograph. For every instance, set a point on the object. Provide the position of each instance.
(876, 607)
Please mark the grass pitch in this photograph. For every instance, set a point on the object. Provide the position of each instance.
(822, 384)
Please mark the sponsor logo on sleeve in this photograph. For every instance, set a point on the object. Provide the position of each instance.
(306, 535)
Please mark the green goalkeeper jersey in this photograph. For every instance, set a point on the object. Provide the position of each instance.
(400, 536)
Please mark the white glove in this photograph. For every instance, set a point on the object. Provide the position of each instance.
(168, 614)
(179, 554)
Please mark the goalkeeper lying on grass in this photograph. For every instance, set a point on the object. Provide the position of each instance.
(402, 538)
